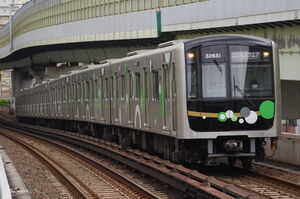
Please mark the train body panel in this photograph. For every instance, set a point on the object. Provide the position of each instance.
(209, 93)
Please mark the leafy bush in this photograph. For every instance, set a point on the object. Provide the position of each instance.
(4, 102)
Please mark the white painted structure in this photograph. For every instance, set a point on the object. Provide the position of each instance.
(4, 186)
(5, 9)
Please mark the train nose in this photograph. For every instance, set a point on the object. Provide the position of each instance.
(233, 145)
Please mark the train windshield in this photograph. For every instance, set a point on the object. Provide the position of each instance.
(251, 72)
(235, 72)
(214, 72)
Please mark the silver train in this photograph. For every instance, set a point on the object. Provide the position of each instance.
(189, 101)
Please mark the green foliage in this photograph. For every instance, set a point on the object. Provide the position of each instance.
(4, 102)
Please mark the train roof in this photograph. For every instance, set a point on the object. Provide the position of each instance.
(229, 39)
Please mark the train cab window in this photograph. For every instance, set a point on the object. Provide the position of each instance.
(251, 71)
(137, 85)
(213, 64)
(155, 85)
(192, 74)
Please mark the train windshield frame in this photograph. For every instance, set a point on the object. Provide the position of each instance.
(230, 72)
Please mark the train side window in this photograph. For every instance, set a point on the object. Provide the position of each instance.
(58, 92)
(113, 91)
(92, 89)
(106, 88)
(117, 87)
(137, 85)
(88, 89)
(74, 91)
(123, 84)
(77, 91)
(96, 89)
(62, 92)
(65, 92)
(155, 85)
(101, 87)
(81, 90)
(85, 90)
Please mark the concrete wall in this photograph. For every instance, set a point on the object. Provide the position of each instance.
(290, 91)
(288, 150)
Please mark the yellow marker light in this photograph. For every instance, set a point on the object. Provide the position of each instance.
(191, 55)
(274, 145)
(266, 54)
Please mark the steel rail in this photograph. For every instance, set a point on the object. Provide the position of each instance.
(56, 169)
(186, 180)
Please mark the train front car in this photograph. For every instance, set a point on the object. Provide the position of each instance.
(232, 89)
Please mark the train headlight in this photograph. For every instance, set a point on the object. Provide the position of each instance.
(191, 55)
(266, 54)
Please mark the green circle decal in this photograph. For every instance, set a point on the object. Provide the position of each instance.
(234, 118)
(222, 117)
(266, 109)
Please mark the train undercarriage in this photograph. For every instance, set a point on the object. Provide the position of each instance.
(187, 152)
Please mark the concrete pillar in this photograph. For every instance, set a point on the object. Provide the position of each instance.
(21, 79)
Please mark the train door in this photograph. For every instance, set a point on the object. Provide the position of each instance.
(130, 96)
(168, 93)
(145, 98)
(92, 83)
(63, 113)
(73, 100)
(102, 100)
(154, 104)
(173, 98)
(136, 99)
(82, 100)
(61, 99)
(69, 102)
(87, 107)
(166, 97)
(123, 99)
(96, 101)
(107, 104)
(115, 98)
(56, 101)
(112, 97)
(79, 98)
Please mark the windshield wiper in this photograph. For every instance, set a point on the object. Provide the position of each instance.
(217, 65)
(236, 87)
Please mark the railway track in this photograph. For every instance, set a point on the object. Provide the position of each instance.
(242, 184)
(190, 183)
(77, 172)
(267, 186)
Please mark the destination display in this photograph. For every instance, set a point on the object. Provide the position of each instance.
(245, 56)
(248, 54)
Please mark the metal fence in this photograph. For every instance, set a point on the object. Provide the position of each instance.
(37, 14)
